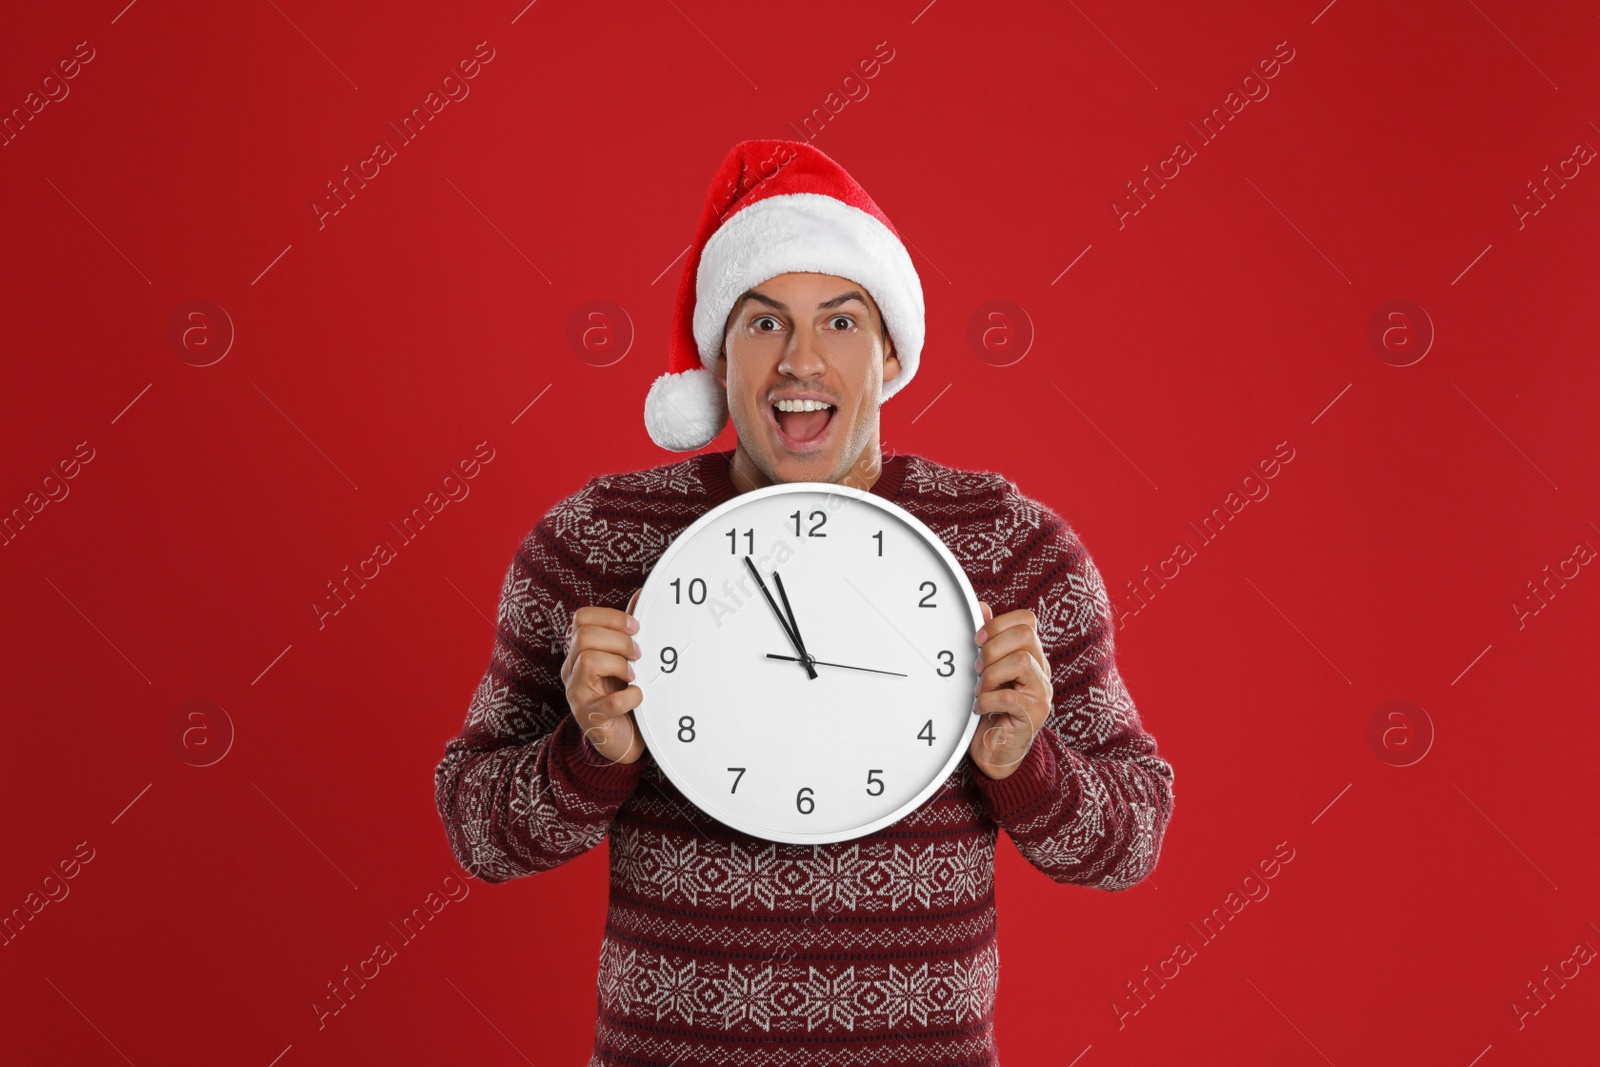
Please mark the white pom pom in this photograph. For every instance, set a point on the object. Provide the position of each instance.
(685, 411)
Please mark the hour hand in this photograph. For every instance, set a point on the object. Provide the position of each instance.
(794, 639)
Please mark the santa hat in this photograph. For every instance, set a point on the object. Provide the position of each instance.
(775, 207)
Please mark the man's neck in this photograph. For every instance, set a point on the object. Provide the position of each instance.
(863, 475)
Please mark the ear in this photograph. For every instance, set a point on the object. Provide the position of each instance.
(719, 367)
(891, 365)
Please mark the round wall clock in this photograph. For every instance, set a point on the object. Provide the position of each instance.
(808, 662)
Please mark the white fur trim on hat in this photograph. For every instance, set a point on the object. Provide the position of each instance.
(685, 411)
(819, 234)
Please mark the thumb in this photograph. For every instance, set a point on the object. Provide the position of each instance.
(634, 599)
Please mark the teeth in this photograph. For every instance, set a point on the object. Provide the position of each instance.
(801, 405)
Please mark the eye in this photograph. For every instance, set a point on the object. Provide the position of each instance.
(846, 319)
(756, 322)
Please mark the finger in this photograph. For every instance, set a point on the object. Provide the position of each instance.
(588, 634)
(1010, 640)
(592, 665)
(998, 623)
(605, 639)
(1006, 708)
(999, 729)
(1019, 667)
(1019, 617)
(982, 633)
(615, 618)
(602, 709)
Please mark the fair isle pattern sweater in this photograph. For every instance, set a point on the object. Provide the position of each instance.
(726, 950)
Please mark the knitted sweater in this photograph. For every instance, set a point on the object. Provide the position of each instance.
(725, 949)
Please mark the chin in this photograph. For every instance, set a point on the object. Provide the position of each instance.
(809, 468)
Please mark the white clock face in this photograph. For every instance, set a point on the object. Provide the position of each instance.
(849, 731)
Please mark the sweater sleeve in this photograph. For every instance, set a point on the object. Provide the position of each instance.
(521, 789)
(1090, 802)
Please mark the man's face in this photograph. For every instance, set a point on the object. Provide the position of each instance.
(805, 336)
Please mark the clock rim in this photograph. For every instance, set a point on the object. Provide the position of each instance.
(895, 511)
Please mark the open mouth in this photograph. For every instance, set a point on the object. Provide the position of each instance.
(802, 424)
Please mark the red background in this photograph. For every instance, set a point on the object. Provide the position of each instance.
(374, 353)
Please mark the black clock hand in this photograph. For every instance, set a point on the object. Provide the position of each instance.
(794, 625)
(825, 663)
(804, 660)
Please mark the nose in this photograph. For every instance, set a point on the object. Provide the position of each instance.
(802, 357)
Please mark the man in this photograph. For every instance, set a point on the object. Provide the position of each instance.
(721, 948)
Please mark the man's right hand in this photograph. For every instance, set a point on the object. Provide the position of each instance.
(597, 673)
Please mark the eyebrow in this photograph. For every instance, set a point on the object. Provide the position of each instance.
(847, 295)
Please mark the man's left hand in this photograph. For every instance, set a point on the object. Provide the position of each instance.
(1013, 693)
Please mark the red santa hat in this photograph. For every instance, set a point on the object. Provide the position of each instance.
(775, 207)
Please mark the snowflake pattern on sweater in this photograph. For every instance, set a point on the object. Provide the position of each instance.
(725, 949)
